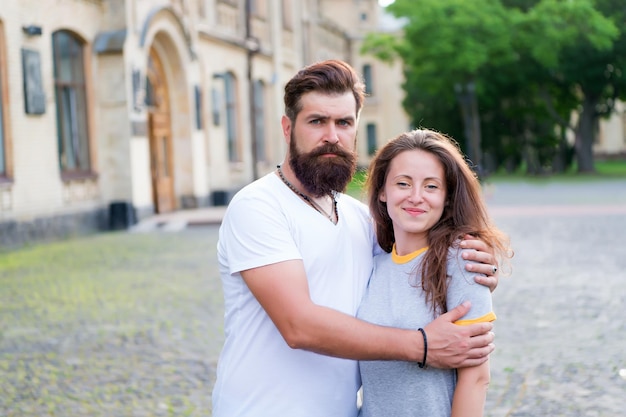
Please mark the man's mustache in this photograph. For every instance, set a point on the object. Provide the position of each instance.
(330, 149)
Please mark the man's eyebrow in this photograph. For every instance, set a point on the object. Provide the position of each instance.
(316, 116)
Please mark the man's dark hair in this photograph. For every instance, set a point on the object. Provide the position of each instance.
(330, 77)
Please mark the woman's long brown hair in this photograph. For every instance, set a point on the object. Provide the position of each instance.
(464, 212)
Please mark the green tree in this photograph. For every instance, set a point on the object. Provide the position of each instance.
(589, 68)
(446, 45)
(508, 58)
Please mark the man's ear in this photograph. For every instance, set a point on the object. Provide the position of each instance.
(286, 126)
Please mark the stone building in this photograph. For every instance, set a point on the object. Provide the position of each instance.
(112, 110)
(611, 140)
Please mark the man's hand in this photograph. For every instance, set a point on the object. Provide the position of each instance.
(487, 264)
(453, 346)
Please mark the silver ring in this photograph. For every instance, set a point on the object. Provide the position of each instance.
(494, 270)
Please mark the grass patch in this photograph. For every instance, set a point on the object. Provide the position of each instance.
(115, 324)
(612, 168)
(605, 170)
(356, 187)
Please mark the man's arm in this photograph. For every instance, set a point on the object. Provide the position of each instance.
(282, 290)
(485, 259)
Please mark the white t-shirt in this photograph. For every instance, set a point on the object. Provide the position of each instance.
(258, 374)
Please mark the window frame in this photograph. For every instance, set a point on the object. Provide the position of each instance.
(259, 120)
(77, 121)
(232, 114)
(368, 79)
(371, 138)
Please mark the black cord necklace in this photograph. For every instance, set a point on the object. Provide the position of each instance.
(309, 200)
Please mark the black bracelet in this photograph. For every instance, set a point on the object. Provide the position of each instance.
(422, 364)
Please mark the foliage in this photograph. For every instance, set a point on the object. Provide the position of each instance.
(356, 187)
(533, 64)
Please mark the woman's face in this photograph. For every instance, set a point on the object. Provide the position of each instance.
(415, 193)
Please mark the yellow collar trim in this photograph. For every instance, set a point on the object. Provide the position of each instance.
(402, 259)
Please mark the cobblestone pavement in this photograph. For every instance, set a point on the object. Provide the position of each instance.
(130, 324)
(561, 332)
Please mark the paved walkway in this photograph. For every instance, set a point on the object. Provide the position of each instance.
(560, 333)
(178, 220)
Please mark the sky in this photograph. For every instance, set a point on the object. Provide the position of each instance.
(385, 2)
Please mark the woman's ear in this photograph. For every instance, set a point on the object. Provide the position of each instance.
(382, 197)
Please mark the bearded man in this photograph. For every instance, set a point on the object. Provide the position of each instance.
(295, 256)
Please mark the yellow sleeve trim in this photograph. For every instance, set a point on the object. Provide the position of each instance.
(491, 316)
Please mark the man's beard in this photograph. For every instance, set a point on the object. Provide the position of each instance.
(321, 175)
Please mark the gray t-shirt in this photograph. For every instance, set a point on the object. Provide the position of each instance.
(394, 297)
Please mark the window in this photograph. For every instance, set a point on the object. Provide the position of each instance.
(71, 103)
(624, 125)
(4, 139)
(371, 138)
(258, 8)
(367, 78)
(3, 163)
(259, 119)
(287, 14)
(231, 117)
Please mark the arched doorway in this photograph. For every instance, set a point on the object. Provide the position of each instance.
(160, 135)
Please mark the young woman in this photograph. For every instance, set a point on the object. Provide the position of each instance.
(424, 199)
